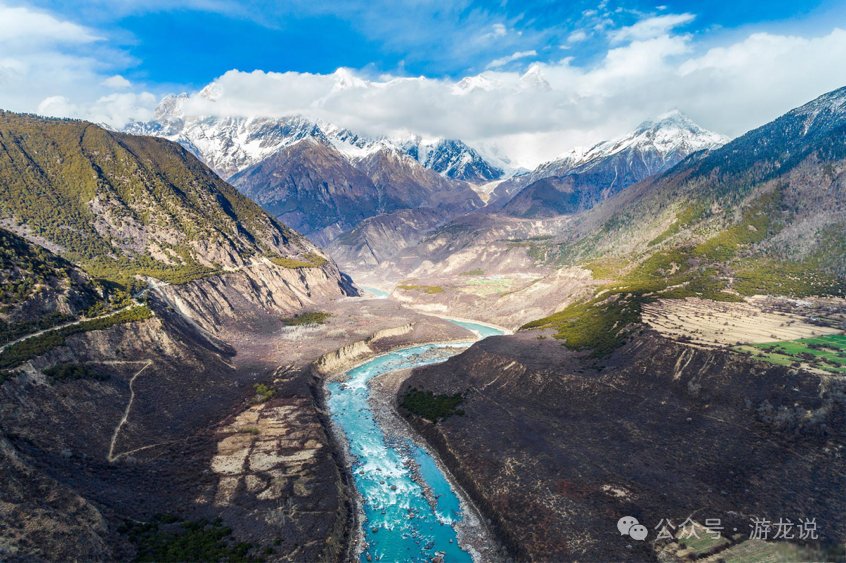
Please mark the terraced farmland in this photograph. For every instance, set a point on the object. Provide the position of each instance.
(826, 353)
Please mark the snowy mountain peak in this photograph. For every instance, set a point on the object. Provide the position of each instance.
(229, 144)
(834, 102)
(821, 114)
(535, 80)
(657, 144)
(212, 92)
(452, 159)
(671, 131)
(345, 79)
(171, 107)
(474, 83)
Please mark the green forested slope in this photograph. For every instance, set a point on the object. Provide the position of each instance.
(120, 204)
(39, 290)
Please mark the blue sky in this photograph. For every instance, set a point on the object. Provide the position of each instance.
(191, 43)
(540, 76)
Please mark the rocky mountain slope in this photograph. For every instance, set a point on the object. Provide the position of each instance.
(312, 187)
(380, 238)
(658, 431)
(122, 205)
(579, 179)
(764, 214)
(40, 289)
(321, 192)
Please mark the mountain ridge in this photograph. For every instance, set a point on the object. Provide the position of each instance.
(123, 205)
(652, 147)
(311, 185)
(231, 144)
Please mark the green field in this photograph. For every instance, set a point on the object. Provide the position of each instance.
(827, 353)
(311, 318)
(432, 407)
(705, 543)
(757, 551)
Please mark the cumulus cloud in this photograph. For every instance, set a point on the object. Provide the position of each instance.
(23, 25)
(110, 110)
(117, 82)
(511, 58)
(651, 27)
(577, 36)
(531, 116)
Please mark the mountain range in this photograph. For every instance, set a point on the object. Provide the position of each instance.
(570, 184)
(230, 144)
(324, 180)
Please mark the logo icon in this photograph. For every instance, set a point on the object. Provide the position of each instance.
(629, 526)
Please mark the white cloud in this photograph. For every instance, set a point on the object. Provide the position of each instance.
(116, 82)
(61, 68)
(510, 58)
(499, 30)
(651, 27)
(23, 25)
(57, 106)
(577, 36)
(112, 110)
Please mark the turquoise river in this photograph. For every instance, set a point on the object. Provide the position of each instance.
(407, 527)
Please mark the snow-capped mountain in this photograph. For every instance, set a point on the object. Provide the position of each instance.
(475, 83)
(320, 178)
(451, 158)
(226, 144)
(656, 145)
(232, 144)
(580, 178)
(324, 187)
(534, 80)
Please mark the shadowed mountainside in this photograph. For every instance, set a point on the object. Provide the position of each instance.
(322, 193)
